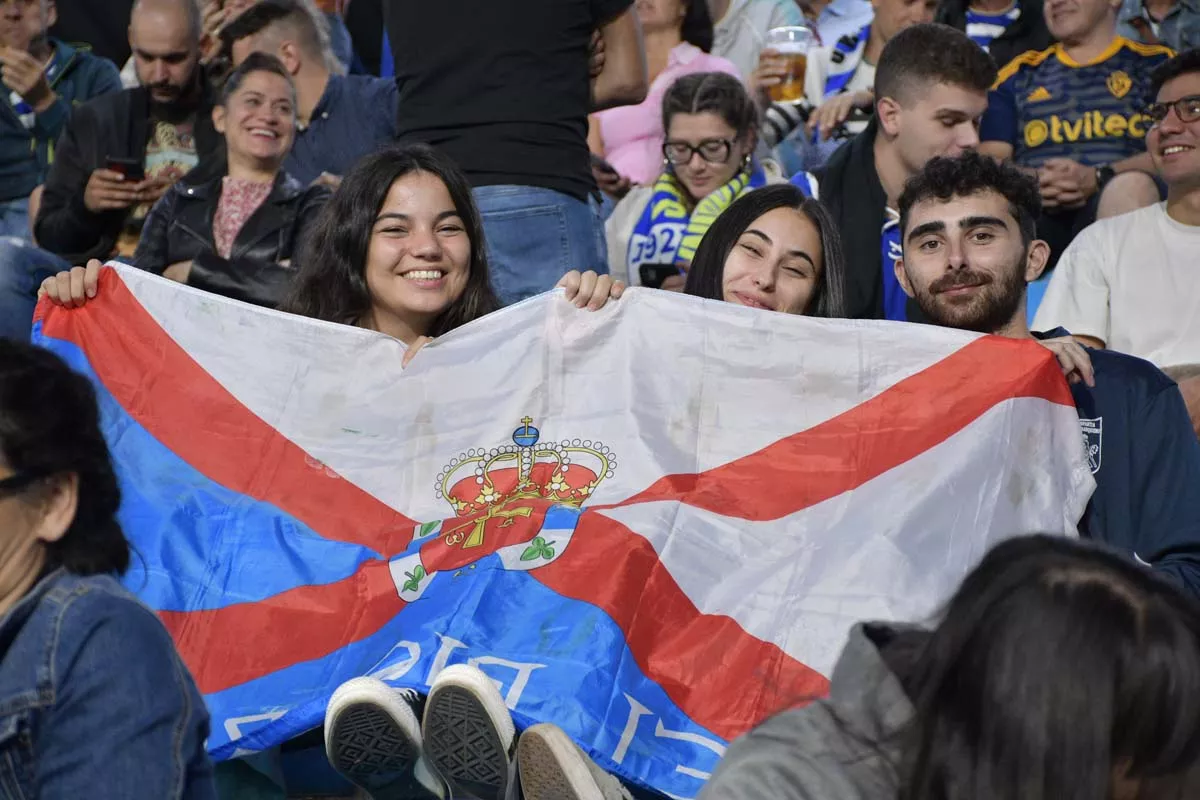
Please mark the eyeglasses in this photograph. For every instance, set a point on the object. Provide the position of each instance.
(714, 151)
(14, 484)
(1187, 108)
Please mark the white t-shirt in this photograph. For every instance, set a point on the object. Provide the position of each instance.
(1133, 282)
(739, 36)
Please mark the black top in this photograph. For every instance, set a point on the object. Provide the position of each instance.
(500, 86)
(1027, 32)
(103, 24)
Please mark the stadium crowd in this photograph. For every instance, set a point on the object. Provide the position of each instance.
(1020, 168)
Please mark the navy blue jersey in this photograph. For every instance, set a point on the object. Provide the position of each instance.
(1145, 458)
(1047, 106)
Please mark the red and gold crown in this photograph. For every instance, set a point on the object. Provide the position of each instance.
(563, 472)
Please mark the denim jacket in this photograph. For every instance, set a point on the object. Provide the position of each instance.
(94, 699)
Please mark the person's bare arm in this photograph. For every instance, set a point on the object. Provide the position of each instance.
(1089, 341)
(624, 79)
(1001, 151)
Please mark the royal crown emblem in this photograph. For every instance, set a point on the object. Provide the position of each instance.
(566, 472)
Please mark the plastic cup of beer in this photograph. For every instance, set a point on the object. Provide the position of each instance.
(793, 43)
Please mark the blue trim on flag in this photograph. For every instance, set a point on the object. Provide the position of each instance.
(226, 546)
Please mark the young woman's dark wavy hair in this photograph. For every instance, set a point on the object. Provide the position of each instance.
(708, 267)
(697, 26)
(1057, 668)
(332, 283)
(50, 427)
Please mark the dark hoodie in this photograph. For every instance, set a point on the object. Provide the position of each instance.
(76, 76)
(1027, 32)
(847, 746)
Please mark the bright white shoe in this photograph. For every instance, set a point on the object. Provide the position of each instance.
(469, 734)
(553, 767)
(373, 738)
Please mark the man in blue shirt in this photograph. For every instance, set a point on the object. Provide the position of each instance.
(968, 227)
(342, 117)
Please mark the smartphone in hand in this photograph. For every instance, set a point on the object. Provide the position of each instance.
(131, 168)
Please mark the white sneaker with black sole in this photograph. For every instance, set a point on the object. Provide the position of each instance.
(373, 738)
(469, 734)
(553, 767)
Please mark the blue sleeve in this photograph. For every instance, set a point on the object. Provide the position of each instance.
(1000, 120)
(389, 101)
(127, 720)
(1166, 489)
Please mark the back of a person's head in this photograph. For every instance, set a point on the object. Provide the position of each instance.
(1058, 672)
(929, 54)
(49, 429)
(712, 92)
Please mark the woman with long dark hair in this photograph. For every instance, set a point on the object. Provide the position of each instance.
(1058, 671)
(774, 248)
(679, 38)
(94, 700)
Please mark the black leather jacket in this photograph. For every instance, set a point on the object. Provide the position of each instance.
(180, 228)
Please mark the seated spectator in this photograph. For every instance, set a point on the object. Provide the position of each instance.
(1057, 670)
(775, 249)
(678, 36)
(931, 90)
(710, 123)
(1130, 283)
(1174, 23)
(969, 251)
(97, 703)
(838, 84)
(341, 118)
(117, 156)
(1005, 28)
(1071, 115)
(44, 78)
(740, 28)
(236, 235)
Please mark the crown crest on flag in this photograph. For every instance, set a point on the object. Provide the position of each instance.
(566, 472)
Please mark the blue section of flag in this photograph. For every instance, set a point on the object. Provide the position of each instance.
(556, 659)
(234, 552)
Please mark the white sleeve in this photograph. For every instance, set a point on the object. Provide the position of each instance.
(1078, 294)
(814, 75)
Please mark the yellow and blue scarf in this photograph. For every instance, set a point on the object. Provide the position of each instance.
(667, 234)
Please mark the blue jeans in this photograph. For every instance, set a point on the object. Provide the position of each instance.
(23, 267)
(14, 218)
(535, 236)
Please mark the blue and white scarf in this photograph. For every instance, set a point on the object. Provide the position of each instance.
(667, 234)
(844, 60)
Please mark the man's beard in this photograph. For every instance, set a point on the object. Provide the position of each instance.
(991, 308)
(183, 100)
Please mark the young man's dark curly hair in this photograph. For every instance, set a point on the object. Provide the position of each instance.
(946, 178)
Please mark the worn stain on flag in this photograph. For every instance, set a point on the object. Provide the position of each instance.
(652, 525)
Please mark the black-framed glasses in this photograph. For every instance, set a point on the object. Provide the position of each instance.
(18, 482)
(714, 151)
(1186, 108)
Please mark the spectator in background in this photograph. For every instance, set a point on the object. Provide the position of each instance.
(1071, 115)
(99, 701)
(44, 78)
(1096, 662)
(102, 25)
(678, 36)
(740, 28)
(503, 89)
(931, 90)
(707, 164)
(1131, 283)
(1174, 23)
(158, 132)
(237, 235)
(341, 118)
(1005, 28)
(969, 250)
(838, 82)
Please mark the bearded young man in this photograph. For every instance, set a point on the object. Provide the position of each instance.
(968, 227)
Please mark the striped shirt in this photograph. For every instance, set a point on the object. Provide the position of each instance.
(1046, 105)
(983, 26)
